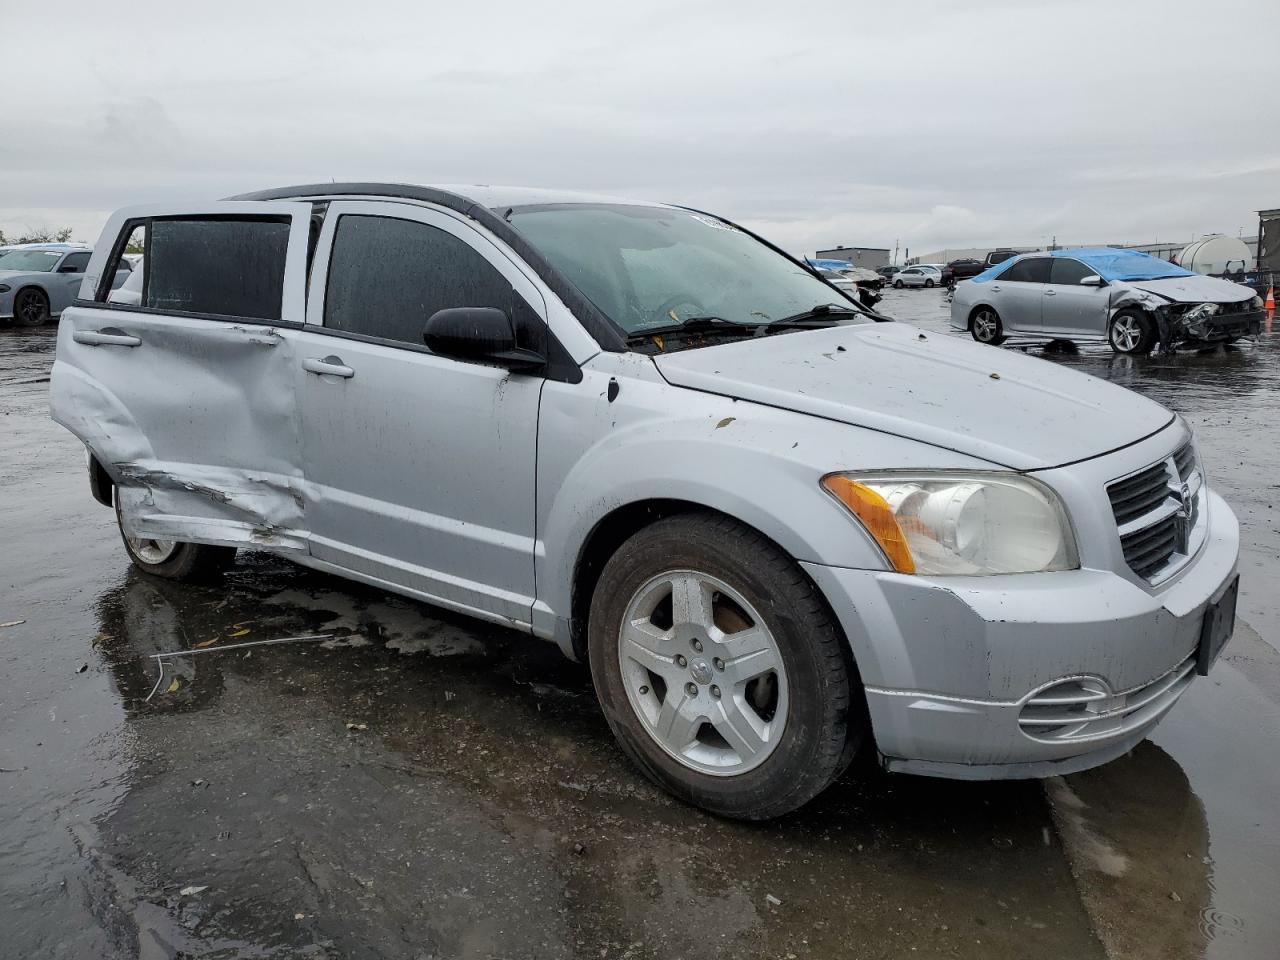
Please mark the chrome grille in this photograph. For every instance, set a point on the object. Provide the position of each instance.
(1156, 512)
(1086, 708)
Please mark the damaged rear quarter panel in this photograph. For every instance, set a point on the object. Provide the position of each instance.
(157, 415)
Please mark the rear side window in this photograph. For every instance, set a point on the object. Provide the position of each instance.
(230, 267)
(74, 262)
(387, 276)
(214, 266)
(1066, 270)
(1033, 270)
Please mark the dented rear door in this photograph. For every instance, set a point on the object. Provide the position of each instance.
(187, 397)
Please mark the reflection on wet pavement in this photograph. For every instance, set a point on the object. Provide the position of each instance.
(425, 785)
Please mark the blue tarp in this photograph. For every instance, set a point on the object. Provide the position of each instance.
(1110, 263)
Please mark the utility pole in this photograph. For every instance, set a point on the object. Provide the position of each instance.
(894, 261)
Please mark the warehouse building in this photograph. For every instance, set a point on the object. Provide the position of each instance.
(869, 257)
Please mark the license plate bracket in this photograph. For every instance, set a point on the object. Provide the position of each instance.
(1215, 631)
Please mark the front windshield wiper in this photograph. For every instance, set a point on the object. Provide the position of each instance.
(822, 313)
(690, 325)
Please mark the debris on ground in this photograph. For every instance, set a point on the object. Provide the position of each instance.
(191, 891)
(773, 901)
(12, 623)
(357, 726)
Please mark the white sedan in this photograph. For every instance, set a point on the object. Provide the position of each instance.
(917, 276)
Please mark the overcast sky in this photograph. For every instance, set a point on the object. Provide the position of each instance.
(936, 124)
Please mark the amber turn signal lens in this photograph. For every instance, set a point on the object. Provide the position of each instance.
(876, 515)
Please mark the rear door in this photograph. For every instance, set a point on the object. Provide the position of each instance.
(186, 397)
(420, 468)
(1070, 309)
(1018, 292)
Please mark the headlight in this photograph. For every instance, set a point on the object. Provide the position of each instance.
(971, 524)
(1257, 303)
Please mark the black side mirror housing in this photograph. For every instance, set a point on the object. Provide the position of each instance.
(479, 335)
(68, 268)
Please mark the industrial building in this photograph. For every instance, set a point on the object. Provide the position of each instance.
(869, 257)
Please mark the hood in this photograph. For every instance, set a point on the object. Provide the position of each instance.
(1196, 289)
(1000, 406)
(10, 274)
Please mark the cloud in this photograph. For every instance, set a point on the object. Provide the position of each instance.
(963, 125)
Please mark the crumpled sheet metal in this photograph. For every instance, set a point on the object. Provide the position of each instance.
(153, 414)
(1171, 328)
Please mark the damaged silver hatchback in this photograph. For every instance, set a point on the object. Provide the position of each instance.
(778, 526)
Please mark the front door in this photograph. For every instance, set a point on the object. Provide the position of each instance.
(420, 469)
(1072, 309)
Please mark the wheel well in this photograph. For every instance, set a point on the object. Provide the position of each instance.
(32, 286)
(974, 312)
(612, 531)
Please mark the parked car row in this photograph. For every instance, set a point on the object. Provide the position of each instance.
(1103, 294)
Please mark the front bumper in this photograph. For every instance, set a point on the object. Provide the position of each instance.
(950, 664)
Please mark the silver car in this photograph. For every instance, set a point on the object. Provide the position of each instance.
(1129, 299)
(778, 529)
(920, 275)
(38, 281)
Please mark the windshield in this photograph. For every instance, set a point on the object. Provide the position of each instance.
(646, 266)
(28, 261)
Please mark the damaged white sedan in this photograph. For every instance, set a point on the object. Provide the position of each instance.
(1131, 300)
(779, 527)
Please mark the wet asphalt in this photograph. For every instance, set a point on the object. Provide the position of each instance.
(427, 786)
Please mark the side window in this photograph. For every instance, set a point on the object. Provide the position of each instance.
(1031, 270)
(1066, 270)
(74, 263)
(221, 266)
(387, 276)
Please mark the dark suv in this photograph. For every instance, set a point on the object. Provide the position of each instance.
(958, 270)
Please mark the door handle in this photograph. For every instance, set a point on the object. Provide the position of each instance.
(995, 288)
(1051, 293)
(106, 337)
(330, 366)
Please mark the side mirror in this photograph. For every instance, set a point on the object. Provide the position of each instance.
(1092, 280)
(478, 335)
(68, 268)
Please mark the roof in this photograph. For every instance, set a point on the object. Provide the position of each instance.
(486, 195)
(1110, 263)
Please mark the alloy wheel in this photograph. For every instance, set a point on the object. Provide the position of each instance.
(31, 309)
(984, 326)
(1126, 333)
(150, 550)
(703, 673)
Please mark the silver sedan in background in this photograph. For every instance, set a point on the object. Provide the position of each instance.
(1131, 300)
(920, 275)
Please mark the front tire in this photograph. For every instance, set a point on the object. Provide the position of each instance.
(31, 308)
(1131, 332)
(928, 283)
(987, 327)
(897, 284)
(720, 669)
(173, 559)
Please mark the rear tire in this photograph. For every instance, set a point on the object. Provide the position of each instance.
(31, 308)
(986, 327)
(175, 560)
(897, 284)
(1131, 332)
(786, 706)
(928, 283)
